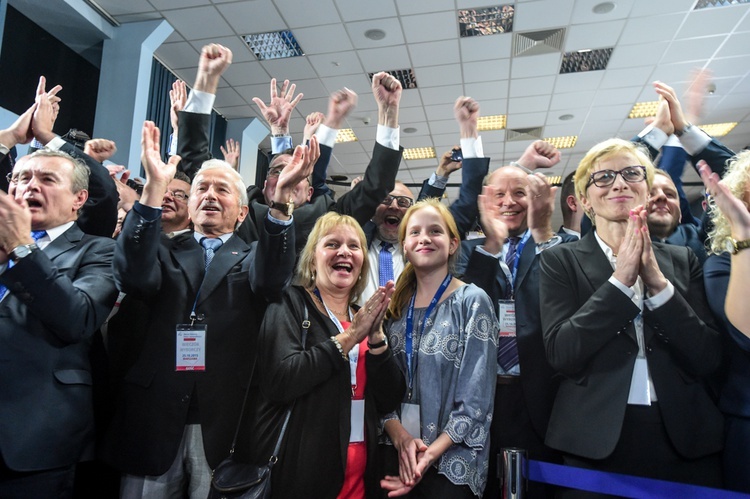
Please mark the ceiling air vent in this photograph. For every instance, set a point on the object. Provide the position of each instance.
(516, 134)
(538, 42)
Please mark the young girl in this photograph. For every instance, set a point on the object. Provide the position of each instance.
(443, 333)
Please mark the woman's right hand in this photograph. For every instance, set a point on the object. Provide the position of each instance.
(368, 319)
(630, 251)
(409, 449)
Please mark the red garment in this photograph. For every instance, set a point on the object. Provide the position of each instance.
(356, 457)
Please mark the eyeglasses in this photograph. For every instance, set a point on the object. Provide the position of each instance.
(401, 201)
(10, 179)
(630, 174)
(179, 195)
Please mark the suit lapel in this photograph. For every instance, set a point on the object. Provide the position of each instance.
(230, 254)
(65, 242)
(526, 258)
(189, 256)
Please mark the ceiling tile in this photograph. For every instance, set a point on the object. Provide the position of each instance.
(497, 69)
(707, 22)
(358, 83)
(730, 66)
(440, 112)
(357, 10)
(480, 48)
(539, 103)
(391, 26)
(260, 91)
(628, 95)
(493, 107)
(524, 87)
(228, 97)
(409, 98)
(247, 73)
(174, 38)
(443, 126)
(604, 113)
(536, 15)
(312, 88)
(438, 76)
(236, 112)
(647, 8)
(385, 59)
(535, 65)
(178, 55)
(692, 49)
(490, 90)
(117, 7)
(630, 56)
(430, 27)
(136, 18)
(520, 118)
(176, 4)
(340, 63)
(434, 53)
(574, 82)
(572, 100)
(406, 7)
(411, 115)
(651, 29)
(240, 51)
(323, 39)
(307, 106)
(295, 16)
(735, 45)
(197, 23)
(593, 36)
(441, 95)
(258, 16)
(292, 68)
(583, 11)
(671, 73)
(619, 78)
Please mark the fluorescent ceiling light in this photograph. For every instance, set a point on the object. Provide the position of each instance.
(346, 135)
(580, 61)
(718, 129)
(274, 45)
(644, 109)
(485, 21)
(565, 142)
(419, 153)
(495, 122)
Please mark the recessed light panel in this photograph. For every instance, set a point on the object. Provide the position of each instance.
(495, 122)
(580, 61)
(565, 142)
(274, 45)
(419, 153)
(405, 76)
(707, 4)
(718, 129)
(485, 21)
(346, 135)
(644, 109)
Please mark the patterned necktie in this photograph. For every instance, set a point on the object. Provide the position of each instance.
(36, 235)
(385, 271)
(507, 347)
(211, 245)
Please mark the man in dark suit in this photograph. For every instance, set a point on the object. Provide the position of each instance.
(515, 212)
(180, 402)
(55, 291)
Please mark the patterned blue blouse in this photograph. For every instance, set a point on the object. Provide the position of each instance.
(454, 383)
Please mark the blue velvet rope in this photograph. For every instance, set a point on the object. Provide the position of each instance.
(619, 485)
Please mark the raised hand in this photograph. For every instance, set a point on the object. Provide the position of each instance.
(16, 227)
(541, 199)
(695, 95)
(539, 154)
(312, 123)
(280, 107)
(447, 165)
(630, 253)
(650, 272)
(387, 91)
(232, 153)
(44, 118)
(341, 103)
(663, 118)
(158, 173)
(177, 100)
(369, 318)
(466, 112)
(214, 60)
(20, 132)
(495, 230)
(675, 109)
(100, 149)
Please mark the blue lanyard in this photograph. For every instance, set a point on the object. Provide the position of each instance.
(410, 325)
(511, 279)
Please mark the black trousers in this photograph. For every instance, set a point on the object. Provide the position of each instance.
(47, 484)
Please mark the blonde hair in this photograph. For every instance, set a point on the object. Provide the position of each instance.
(605, 150)
(305, 275)
(407, 281)
(736, 179)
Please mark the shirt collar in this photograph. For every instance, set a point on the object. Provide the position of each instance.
(224, 237)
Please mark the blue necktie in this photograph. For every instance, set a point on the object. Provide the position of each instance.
(36, 235)
(385, 271)
(507, 347)
(211, 245)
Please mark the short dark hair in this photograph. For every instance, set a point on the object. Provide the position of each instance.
(568, 188)
(182, 176)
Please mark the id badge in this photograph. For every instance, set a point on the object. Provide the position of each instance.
(357, 432)
(190, 347)
(507, 318)
(410, 419)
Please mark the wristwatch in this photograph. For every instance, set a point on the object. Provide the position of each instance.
(734, 246)
(285, 208)
(552, 241)
(22, 251)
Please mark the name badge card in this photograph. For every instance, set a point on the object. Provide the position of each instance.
(410, 419)
(191, 348)
(507, 318)
(357, 432)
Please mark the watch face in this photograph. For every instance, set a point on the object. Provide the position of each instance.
(729, 246)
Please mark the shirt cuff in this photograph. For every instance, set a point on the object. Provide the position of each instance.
(326, 135)
(660, 298)
(694, 140)
(437, 181)
(281, 144)
(388, 137)
(274, 226)
(483, 251)
(626, 290)
(55, 144)
(148, 213)
(472, 147)
(172, 144)
(199, 102)
(654, 137)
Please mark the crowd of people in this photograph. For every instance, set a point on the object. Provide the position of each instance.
(148, 330)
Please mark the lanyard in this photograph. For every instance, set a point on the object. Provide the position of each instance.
(410, 326)
(354, 352)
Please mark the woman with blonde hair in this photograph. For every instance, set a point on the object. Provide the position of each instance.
(340, 381)
(443, 333)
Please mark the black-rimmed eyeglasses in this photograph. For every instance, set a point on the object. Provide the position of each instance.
(630, 174)
(401, 201)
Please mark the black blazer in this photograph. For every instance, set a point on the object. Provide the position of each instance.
(167, 274)
(58, 298)
(590, 339)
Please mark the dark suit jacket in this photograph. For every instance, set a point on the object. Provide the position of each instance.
(58, 298)
(168, 274)
(590, 339)
(715, 154)
(360, 202)
(538, 380)
(691, 236)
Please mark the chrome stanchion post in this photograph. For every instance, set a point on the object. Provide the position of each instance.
(513, 479)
